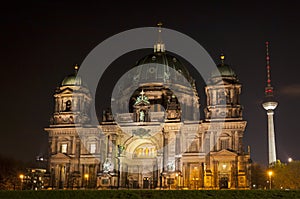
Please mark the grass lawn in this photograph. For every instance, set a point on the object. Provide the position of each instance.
(153, 194)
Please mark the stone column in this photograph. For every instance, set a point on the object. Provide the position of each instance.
(120, 172)
(184, 175)
(171, 147)
(56, 109)
(140, 176)
(57, 149)
(214, 97)
(177, 152)
(165, 150)
(215, 172)
(71, 146)
(114, 151)
(109, 146)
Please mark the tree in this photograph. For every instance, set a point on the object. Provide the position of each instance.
(287, 176)
(9, 173)
(258, 176)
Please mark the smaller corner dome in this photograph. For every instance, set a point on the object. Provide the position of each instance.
(223, 70)
(71, 80)
(74, 79)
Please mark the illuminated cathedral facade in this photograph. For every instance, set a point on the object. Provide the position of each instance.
(152, 146)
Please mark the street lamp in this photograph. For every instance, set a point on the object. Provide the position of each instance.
(290, 160)
(21, 177)
(86, 176)
(270, 173)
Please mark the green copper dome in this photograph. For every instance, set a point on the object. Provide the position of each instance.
(157, 58)
(224, 70)
(71, 80)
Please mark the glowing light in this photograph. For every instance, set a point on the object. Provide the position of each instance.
(86, 176)
(222, 57)
(269, 90)
(21, 176)
(224, 166)
(270, 173)
(290, 160)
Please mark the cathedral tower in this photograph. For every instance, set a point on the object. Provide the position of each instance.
(223, 94)
(74, 144)
(71, 106)
(227, 165)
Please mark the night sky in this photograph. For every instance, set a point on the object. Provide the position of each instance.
(41, 42)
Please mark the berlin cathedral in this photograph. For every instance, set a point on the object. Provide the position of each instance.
(160, 143)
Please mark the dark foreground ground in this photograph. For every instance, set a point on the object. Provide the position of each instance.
(153, 194)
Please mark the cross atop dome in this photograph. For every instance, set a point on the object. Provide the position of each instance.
(159, 46)
(142, 99)
(142, 93)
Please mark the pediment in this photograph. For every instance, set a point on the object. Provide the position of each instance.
(60, 157)
(66, 90)
(142, 103)
(224, 152)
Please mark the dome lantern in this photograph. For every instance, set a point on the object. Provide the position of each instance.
(159, 46)
(73, 79)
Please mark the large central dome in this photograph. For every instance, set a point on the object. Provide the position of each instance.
(158, 66)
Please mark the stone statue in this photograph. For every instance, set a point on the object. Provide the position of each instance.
(142, 116)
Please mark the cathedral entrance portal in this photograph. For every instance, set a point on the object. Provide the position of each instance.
(142, 164)
(146, 183)
(224, 183)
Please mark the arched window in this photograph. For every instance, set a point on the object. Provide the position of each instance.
(92, 147)
(68, 105)
(194, 146)
(64, 148)
(224, 143)
(221, 97)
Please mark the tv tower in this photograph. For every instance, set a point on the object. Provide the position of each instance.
(269, 105)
